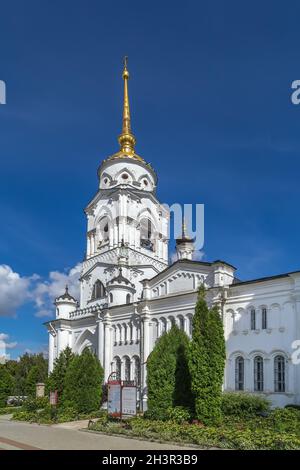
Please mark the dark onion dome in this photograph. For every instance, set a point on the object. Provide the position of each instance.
(120, 279)
(66, 296)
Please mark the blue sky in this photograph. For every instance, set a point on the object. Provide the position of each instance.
(210, 96)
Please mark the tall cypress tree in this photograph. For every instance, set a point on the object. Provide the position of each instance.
(83, 382)
(207, 360)
(56, 380)
(168, 378)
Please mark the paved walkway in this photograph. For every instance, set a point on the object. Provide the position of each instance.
(66, 436)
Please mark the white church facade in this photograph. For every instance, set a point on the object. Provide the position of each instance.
(130, 294)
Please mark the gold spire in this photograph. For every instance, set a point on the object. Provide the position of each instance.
(126, 138)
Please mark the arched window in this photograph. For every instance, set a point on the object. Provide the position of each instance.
(137, 371)
(111, 298)
(181, 323)
(146, 234)
(279, 374)
(264, 318)
(104, 230)
(98, 290)
(163, 323)
(253, 319)
(128, 298)
(258, 374)
(239, 373)
(127, 368)
(172, 321)
(118, 366)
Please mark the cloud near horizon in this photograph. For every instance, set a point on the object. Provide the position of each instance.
(17, 290)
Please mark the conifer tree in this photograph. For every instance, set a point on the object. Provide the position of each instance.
(168, 378)
(83, 383)
(56, 380)
(207, 361)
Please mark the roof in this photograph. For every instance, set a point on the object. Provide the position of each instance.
(264, 279)
(120, 279)
(66, 296)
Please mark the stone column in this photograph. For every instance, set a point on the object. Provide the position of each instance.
(268, 376)
(101, 341)
(88, 247)
(146, 352)
(51, 352)
(107, 347)
(186, 325)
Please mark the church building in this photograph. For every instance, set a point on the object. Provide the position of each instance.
(130, 294)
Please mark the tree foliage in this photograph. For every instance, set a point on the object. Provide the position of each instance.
(34, 376)
(56, 380)
(83, 383)
(21, 376)
(207, 360)
(168, 377)
(6, 385)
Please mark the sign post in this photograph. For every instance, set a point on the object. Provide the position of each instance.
(114, 395)
(53, 403)
(121, 397)
(128, 399)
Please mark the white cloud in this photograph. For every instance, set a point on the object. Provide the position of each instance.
(47, 290)
(4, 346)
(14, 290)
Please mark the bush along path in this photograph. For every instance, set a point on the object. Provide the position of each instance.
(280, 430)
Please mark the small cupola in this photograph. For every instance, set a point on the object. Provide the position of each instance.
(65, 304)
(185, 244)
(120, 289)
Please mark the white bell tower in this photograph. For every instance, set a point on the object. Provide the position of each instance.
(124, 215)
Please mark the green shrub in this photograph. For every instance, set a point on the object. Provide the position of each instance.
(83, 383)
(231, 434)
(243, 404)
(292, 405)
(178, 414)
(207, 361)
(168, 377)
(56, 380)
(33, 404)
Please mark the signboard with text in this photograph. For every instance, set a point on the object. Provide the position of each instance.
(114, 399)
(129, 400)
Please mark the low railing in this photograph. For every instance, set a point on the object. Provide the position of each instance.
(87, 311)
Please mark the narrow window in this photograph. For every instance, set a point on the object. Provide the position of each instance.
(128, 298)
(258, 374)
(264, 318)
(239, 373)
(253, 319)
(111, 298)
(279, 374)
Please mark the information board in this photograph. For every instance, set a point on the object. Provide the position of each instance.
(114, 399)
(53, 398)
(128, 400)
